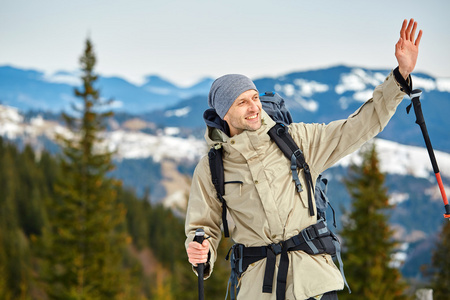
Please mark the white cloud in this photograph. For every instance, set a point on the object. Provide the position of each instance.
(178, 112)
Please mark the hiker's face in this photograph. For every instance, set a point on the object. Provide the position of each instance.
(245, 113)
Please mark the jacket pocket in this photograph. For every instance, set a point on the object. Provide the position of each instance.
(236, 193)
(233, 188)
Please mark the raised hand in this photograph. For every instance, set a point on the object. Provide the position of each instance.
(407, 49)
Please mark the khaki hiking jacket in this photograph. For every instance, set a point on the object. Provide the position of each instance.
(266, 208)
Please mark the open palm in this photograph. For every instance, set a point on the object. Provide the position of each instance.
(407, 49)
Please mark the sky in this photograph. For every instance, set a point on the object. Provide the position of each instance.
(186, 40)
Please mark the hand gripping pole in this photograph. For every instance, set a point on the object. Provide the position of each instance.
(199, 237)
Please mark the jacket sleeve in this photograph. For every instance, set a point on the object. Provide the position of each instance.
(323, 145)
(204, 211)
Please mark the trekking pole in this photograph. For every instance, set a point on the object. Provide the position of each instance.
(415, 95)
(199, 237)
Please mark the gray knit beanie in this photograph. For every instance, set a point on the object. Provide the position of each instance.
(226, 89)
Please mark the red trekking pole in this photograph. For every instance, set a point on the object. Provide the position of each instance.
(415, 95)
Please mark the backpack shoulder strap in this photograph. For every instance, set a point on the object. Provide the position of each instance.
(280, 135)
(218, 180)
(322, 202)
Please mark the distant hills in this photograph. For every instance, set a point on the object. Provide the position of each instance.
(34, 90)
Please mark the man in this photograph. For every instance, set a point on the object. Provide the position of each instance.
(260, 194)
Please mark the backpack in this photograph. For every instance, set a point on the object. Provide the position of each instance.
(273, 105)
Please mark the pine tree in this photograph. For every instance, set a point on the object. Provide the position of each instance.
(30, 194)
(367, 238)
(440, 271)
(15, 271)
(86, 240)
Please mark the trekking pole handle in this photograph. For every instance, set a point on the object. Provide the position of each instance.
(199, 238)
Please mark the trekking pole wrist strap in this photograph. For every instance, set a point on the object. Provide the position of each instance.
(405, 85)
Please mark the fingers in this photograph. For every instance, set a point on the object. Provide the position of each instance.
(402, 30)
(408, 29)
(408, 32)
(198, 253)
(399, 44)
(419, 37)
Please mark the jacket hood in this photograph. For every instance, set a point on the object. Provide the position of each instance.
(217, 130)
(213, 120)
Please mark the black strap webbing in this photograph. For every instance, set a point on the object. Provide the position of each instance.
(407, 88)
(218, 180)
(313, 240)
(280, 135)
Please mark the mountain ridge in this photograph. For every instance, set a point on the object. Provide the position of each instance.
(171, 131)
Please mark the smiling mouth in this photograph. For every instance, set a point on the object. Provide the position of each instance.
(252, 117)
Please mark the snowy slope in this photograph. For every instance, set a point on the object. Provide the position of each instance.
(395, 158)
(126, 144)
(136, 145)
(399, 159)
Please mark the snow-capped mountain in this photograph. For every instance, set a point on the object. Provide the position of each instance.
(158, 128)
(312, 96)
(35, 90)
(322, 96)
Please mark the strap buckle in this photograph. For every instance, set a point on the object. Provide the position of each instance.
(276, 248)
(237, 256)
(305, 168)
(309, 233)
(238, 251)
